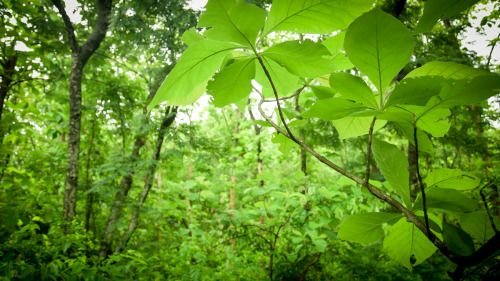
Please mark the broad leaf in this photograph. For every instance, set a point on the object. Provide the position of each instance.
(313, 16)
(457, 240)
(393, 164)
(365, 227)
(447, 70)
(415, 91)
(302, 59)
(405, 241)
(232, 21)
(186, 82)
(451, 178)
(351, 127)
(446, 199)
(191, 35)
(322, 92)
(353, 88)
(441, 9)
(478, 225)
(379, 45)
(333, 108)
(320, 244)
(232, 83)
(283, 80)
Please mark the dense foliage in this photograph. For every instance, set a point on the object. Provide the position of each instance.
(343, 140)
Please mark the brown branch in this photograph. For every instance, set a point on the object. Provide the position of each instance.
(410, 216)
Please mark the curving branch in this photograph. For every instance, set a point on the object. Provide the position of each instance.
(420, 182)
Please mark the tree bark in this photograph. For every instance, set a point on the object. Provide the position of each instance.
(134, 221)
(80, 56)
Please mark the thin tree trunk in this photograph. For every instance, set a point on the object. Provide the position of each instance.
(134, 221)
(79, 58)
(90, 196)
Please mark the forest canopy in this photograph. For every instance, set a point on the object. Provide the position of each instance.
(339, 140)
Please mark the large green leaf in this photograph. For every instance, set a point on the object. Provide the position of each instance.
(353, 88)
(322, 92)
(283, 80)
(478, 225)
(232, 83)
(302, 59)
(379, 45)
(333, 108)
(313, 16)
(415, 91)
(351, 127)
(365, 227)
(186, 82)
(464, 92)
(447, 70)
(457, 240)
(232, 21)
(393, 164)
(441, 9)
(446, 199)
(451, 178)
(405, 241)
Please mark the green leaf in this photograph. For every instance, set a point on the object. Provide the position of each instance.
(232, 21)
(447, 70)
(441, 9)
(233, 83)
(333, 108)
(283, 80)
(451, 178)
(285, 144)
(335, 46)
(191, 35)
(356, 126)
(365, 227)
(405, 241)
(415, 91)
(393, 164)
(302, 59)
(316, 16)
(464, 92)
(434, 121)
(458, 240)
(322, 92)
(186, 82)
(320, 244)
(446, 199)
(478, 225)
(379, 45)
(353, 88)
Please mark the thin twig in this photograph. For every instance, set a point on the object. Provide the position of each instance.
(297, 92)
(369, 150)
(420, 182)
(481, 192)
(491, 52)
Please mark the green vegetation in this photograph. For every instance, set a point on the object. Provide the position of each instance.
(343, 140)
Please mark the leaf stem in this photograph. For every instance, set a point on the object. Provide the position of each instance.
(420, 182)
(481, 192)
(369, 150)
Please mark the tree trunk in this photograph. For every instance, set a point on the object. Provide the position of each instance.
(134, 221)
(79, 58)
(9, 67)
